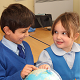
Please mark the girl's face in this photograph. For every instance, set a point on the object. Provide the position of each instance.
(61, 38)
(18, 36)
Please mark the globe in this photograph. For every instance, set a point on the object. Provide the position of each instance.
(43, 74)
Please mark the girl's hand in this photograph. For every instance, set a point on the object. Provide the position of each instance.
(44, 66)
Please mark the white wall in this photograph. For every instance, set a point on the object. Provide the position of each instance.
(30, 5)
(55, 7)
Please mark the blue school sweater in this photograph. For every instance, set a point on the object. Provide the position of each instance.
(60, 65)
(11, 64)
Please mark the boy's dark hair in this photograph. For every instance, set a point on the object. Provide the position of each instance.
(17, 16)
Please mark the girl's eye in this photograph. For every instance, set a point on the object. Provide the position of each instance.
(63, 33)
(55, 32)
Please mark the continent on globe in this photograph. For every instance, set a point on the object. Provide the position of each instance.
(43, 74)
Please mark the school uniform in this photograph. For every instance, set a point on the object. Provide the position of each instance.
(11, 64)
(66, 64)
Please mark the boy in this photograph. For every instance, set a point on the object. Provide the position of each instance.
(16, 20)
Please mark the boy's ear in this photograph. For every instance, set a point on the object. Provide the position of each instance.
(6, 30)
(76, 36)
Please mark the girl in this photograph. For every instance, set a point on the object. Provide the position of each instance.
(64, 55)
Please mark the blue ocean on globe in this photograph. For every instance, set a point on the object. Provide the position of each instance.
(43, 74)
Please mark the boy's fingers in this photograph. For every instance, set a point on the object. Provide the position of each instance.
(34, 68)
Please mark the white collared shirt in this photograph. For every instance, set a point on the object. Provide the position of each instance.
(69, 57)
(11, 45)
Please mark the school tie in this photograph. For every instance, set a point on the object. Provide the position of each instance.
(21, 53)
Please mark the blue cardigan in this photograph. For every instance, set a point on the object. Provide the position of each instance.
(60, 65)
(11, 64)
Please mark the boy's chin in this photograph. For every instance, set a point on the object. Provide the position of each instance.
(19, 42)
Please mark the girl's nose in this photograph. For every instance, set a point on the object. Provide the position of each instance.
(58, 36)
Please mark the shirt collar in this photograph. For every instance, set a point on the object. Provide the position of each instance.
(10, 44)
(75, 47)
(60, 52)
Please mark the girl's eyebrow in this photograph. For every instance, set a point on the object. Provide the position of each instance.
(64, 31)
(61, 31)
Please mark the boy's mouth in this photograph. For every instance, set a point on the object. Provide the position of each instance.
(59, 42)
(21, 39)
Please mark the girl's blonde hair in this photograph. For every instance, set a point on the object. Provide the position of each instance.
(70, 21)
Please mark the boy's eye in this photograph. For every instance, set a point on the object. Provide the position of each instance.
(23, 31)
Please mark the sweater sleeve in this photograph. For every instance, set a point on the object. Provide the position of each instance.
(44, 58)
(3, 76)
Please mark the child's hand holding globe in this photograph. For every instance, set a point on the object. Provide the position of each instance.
(43, 74)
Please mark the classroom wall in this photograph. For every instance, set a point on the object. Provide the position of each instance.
(55, 8)
(30, 4)
(76, 6)
(5, 3)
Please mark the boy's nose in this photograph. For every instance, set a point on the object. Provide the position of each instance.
(26, 34)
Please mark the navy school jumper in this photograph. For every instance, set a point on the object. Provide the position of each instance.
(11, 64)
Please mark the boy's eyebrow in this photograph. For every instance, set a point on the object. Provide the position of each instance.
(25, 29)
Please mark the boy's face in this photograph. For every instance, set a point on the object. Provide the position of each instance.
(61, 38)
(18, 36)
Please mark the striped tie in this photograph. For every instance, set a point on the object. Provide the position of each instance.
(21, 53)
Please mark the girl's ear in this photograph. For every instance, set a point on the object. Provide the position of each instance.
(6, 30)
(76, 36)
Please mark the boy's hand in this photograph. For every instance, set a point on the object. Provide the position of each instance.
(26, 70)
(44, 66)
